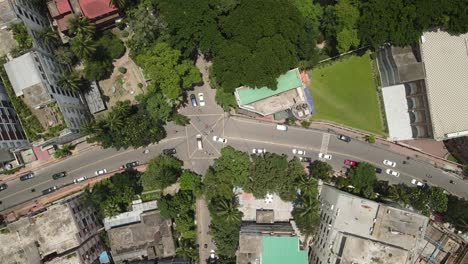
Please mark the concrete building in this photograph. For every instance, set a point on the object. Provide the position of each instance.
(277, 209)
(65, 232)
(99, 12)
(11, 132)
(140, 234)
(424, 87)
(356, 230)
(290, 95)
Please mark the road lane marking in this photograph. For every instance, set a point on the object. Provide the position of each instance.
(205, 115)
(206, 138)
(31, 187)
(325, 141)
(266, 123)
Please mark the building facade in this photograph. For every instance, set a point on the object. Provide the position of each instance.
(11, 132)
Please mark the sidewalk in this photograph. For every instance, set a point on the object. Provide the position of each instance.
(79, 147)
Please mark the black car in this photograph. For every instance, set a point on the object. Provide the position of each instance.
(59, 175)
(27, 176)
(344, 138)
(193, 99)
(170, 151)
(3, 186)
(49, 190)
(130, 165)
(305, 159)
(378, 170)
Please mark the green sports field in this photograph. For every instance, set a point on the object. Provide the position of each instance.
(344, 93)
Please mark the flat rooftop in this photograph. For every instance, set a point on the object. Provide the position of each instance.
(23, 73)
(445, 60)
(249, 205)
(396, 110)
(279, 250)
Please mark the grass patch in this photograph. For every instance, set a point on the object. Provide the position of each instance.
(452, 158)
(344, 92)
(150, 196)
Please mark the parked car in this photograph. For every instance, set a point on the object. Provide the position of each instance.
(305, 159)
(282, 128)
(100, 172)
(378, 170)
(170, 151)
(3, 186)
(389, 163)
(59, 175)
(49, 190)
(350, 163)
(130, 165)
(258, 151)
(27, 176)
(344, 138)
(219, 139)
(417, 183)
(325, 156)
(300, 152)
(75, 181)
(392, 172)
(193, 99)
(199, 142)
(201, 97)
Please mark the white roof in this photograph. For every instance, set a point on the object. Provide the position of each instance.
(22, 73)
(396, 110)
(445, 60)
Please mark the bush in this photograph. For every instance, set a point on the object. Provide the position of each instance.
(111, 45)
(122, 70)
(98, 70)
(140, 85)
(370, 139)
(125, 33)
(305, 123)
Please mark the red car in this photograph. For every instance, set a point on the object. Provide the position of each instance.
(350, 163)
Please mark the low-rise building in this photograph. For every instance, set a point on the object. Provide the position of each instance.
(356, 230)
(140, 234)
(271, 208)
(66, 232)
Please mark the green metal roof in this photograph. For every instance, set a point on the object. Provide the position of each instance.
(288, 81)
(280, 250)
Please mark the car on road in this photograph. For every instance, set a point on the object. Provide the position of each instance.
(205, 246)
(305, 159)
(219, 139)
(344, 138)
(27, 176)
(78, 180)
(3, 186)
(325, 156)
(199, 142)
(59, 175)
(258, 151)
(389, 163)
(350, 163)
(130, 165)
(170, 151)
(417, 183)
(282, 128)
(378, 170)
(49, 190)
(392, 172)
(193, 99)
(100, 172)
(300, 152)
(201, 98)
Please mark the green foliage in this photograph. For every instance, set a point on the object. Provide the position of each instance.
(305, 123)
(161, 172)
(438, 200)
(180, 119)
(48, 36)
(167, 71)
(457, 213)
(81, 26)
(321, 170)
(71, 81)
(233, 165)
(225, 99)
(122, 70)
(64, 55)
(190, 181)
(114, 195)
(370, 139)
(110, 45)
(97, 70)
(83, 47)
(22, 37)
(62, 152)
(157, 106)
(363, 179)
(306, 212)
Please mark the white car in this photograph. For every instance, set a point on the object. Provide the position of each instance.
(219, 139)
(259, 151)
(298, 152)
(389, 163)
(325, 156)
(282, 128)
(417, 183)
(392, 172)
(201, 99)
(100, 172)
(79, 179)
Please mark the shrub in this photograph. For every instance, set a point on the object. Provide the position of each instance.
(370, 139)
(305, 123)
(122, 70)
(112, 46)
(125, 33)
(140, 85)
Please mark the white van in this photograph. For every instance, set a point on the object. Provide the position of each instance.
(199, 142)
(282, 128)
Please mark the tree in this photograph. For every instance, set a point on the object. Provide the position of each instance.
(287, 188)
(83, 47)
(110, 45)
(120, 4)
(97, 70)
(437, 199)
(81, 27)
(321, 170)
(157, 106)
(64, 56)
(64, 151)
(228, 211)
(71, 82)
(306, 213)
(48, 36)
(161, 172)
(233, 165)
(168, 73)
(266, 174)
(363, 179)
(190, 181)
(180, 119)
(457, 213)
(307, 185)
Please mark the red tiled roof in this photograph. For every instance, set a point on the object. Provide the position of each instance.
(63, 6)
(95, 8)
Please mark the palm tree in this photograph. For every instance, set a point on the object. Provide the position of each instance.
(114, 122)
(81, 26)
(70, 81)
(307, 185)
(88, 128)
(118, 3)
(64, 56)
(83, 47)
(306, 214)
(398, 194)
(228, 211)
(48, 36)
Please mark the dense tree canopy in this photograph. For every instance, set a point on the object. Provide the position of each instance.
(363, 179)
(161, 172)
